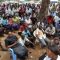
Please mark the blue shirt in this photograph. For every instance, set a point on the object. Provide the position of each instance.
(26, 33)
(5, 22)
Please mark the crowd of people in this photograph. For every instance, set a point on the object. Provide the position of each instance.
(20, 23)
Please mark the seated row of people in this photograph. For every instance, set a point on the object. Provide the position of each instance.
(20, 42)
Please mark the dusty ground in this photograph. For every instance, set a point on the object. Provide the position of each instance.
(34, 54)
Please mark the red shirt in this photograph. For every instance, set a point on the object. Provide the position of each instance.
(23, 27)
(50, 19)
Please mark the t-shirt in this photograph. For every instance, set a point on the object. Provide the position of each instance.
(49, 30)
(16, 20)
(28, 21)
(47, 58)
(4, 21)
(26, 33)
(56, 18)
(22, 42)
(39, 33)
(50, 19)
(28, 10)
(10, 40)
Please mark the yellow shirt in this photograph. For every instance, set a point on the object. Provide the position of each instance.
(16, 20)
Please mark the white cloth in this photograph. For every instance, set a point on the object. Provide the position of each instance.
(51, 31)
(28, 21)
(38, 23)
(28, 10)
(9, 11)
(58, 58)
(22, 42)
(56, 18)
(47, 58)
(39, 33)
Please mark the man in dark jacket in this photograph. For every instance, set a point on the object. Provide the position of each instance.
(11, 42)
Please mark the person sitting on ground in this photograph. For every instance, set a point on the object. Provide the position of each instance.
(24, 41)
(16, 20)
(11, 41)
(50, 30)
(33, 18)
(51, 51)
(4, 21)
(56, 20)
(26, 32)
(38, 33)
(22, 27)
(55, 45)
(28, 22)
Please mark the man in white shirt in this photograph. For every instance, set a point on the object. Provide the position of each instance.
(50, 30)
(28, 10)
(56, 19)
(29, 22)
(41, 36)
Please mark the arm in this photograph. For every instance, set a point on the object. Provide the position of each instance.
(28, 40)
(53, 32)
(46, 31)
(34, 34)
(11, 45)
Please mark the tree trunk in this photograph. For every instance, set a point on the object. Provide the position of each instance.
(44, 9)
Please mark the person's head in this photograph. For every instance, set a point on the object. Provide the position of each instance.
(51, 54)
(56, 40)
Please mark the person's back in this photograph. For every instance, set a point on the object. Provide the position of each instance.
(14, 20)
(5, 21)
(11, 39)
(12, 42)
(56, 18)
